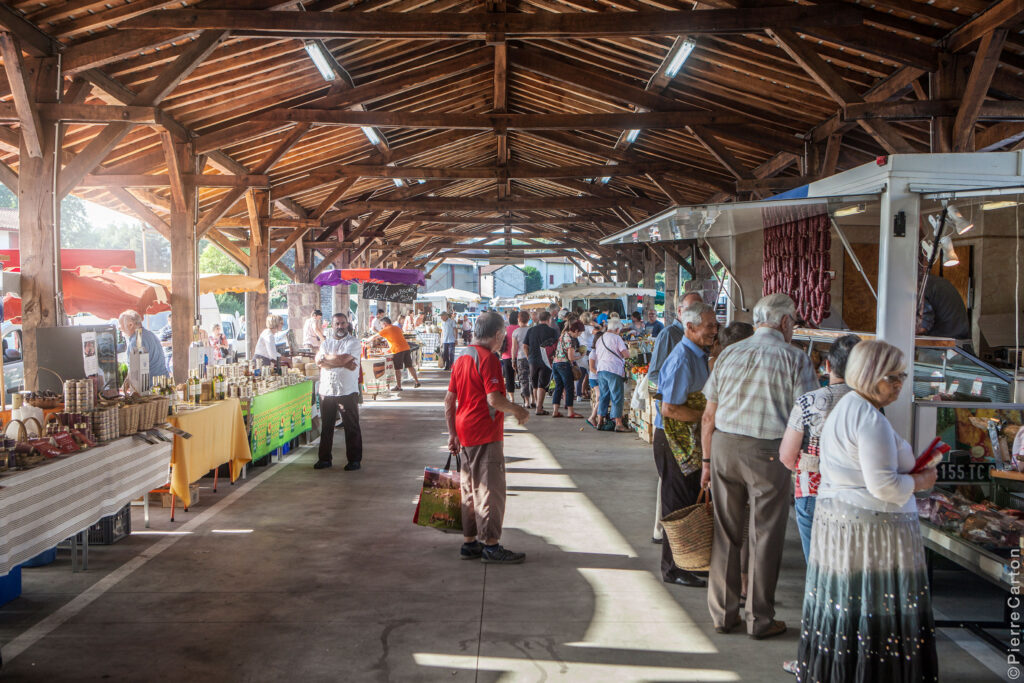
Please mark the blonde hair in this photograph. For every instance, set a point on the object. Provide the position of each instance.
(274, 322)
(870, 363)
(585, 317)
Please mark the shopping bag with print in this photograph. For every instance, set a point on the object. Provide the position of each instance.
(440, 502)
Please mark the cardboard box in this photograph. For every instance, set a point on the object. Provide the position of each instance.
(162, 497)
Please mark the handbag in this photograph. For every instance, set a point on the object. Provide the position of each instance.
(689, 532)
(440, 502)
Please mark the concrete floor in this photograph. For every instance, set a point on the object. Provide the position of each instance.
(296, 574)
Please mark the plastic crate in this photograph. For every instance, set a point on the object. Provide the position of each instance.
(112, 529)
(10, 585)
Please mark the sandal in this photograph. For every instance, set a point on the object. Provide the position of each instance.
(623, 428)
(791, 667)
(575, 417)
(543, 412)
(557, 415)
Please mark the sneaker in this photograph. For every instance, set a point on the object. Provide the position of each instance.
(501, 555)
(471, 551)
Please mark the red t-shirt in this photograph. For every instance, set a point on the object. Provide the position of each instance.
(474, 423)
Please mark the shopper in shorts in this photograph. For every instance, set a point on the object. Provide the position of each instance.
(540, 336)
(522, 360)
(398, 345)
(474, 408)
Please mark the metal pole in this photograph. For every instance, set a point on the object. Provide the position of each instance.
(853, 257)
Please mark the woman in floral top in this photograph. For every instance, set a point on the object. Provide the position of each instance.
(566, 355)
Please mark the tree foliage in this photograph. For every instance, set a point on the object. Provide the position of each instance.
(533, 281)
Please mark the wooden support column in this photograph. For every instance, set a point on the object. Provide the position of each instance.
(671, 286)
(257, 304)
(947, 83)
(38, 231)
(183, 258)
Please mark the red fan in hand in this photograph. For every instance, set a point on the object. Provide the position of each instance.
(931, 456)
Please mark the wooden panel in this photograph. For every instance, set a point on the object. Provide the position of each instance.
(859, 308)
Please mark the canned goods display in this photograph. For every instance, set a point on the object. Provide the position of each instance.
(79, 395)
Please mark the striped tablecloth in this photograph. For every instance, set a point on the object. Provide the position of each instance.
(41, 507)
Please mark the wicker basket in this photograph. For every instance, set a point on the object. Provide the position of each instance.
(689, 531)
(128, 416)
(147, 415)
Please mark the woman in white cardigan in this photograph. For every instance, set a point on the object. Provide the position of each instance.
(867, 607)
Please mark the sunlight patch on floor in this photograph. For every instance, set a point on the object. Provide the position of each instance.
(565, 519)
(541, 669)
(637, 598)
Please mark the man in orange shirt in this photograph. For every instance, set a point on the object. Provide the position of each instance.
(399, 348)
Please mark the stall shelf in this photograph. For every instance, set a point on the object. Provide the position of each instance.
(43, 506)
(277, 417)
(217, 436)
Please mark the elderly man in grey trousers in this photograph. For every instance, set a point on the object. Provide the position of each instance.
(754, 385)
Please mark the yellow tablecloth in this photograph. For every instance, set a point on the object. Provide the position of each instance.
(218, 436)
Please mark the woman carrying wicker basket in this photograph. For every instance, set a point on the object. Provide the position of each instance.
(677, 449)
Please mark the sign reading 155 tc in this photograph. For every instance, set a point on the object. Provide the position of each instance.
(964, 473)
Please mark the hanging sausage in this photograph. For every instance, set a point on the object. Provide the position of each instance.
(796, 262)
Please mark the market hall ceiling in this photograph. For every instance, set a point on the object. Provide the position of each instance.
(399, 131)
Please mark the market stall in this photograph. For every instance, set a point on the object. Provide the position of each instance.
(278, 416)
(216, 436)
(42, 506)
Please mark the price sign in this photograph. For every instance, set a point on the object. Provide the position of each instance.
(968, 473)
(403, 294)
(976, 387)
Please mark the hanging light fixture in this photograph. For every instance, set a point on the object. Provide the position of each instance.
(675, 63)
(949, 255)
(961, 224)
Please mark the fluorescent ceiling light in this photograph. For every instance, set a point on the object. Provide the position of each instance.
(371, 135)
(398, 182)
(1004, 204)
(961, 224)
(604, 180)
(675, 63)
(322, 61)
(633, 135)
(851, 210)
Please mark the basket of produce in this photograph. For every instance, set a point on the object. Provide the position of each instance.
(147, 415)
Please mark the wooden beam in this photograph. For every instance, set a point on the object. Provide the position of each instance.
(997, 136)
(24, 103)
(32, 40)
(842, 92)
(100, 146)
(483, 204)
(9, 177)
(334, 196)
(174, 171)
(985, 63)
(498, 172)
(719, 151)
(164, 180)
(619, 121)
(256, 205)
(993, 110)
(437, 25)
(1004, 13)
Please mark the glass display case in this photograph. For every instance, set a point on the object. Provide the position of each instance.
(940, 367)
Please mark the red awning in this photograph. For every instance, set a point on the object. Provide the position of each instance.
(103, 293)
(75, 258)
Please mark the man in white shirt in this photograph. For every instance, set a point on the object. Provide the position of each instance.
(338, 359)
(447, 341)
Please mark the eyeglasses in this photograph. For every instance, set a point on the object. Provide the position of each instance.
(898, 378)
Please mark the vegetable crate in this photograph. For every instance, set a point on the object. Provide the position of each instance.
(112, 528)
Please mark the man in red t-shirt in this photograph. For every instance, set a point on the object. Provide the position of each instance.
(475, 408)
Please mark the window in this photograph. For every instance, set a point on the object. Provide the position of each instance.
(551, 279)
